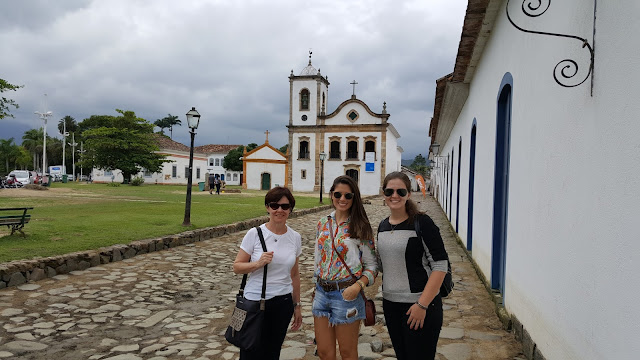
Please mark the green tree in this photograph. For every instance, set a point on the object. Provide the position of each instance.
(168, 121)
(126, 144)
(232, 160)
(9, 151)
(6, 103)
(419, 164)
(32, 141)
(72, 125)
(162, 124)
(284, 148)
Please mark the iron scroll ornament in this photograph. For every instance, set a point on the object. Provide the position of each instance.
(567, 68)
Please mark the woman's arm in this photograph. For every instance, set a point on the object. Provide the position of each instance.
(369, 262)
(297, 310)
(418, 311)
(242, 264)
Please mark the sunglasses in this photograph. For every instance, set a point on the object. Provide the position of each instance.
(338, 195)
(275, 206)
(400, 192)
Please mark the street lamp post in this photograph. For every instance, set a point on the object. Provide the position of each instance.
(323, 156)
(44, 116)
(193, 119)
(73, 145)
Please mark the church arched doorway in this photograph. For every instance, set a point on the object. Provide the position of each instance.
(265, 181)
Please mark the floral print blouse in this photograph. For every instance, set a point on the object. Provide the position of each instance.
(359, 254)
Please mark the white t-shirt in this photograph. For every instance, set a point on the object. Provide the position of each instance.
(286, 249)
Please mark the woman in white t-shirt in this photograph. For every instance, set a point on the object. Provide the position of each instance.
(284, 246)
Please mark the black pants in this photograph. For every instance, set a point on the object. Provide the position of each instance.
(218, 189)
(413, 344)
(277, 317)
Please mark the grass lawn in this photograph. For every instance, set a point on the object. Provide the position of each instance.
(76, 216)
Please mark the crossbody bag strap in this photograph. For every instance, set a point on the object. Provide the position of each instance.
(264, 275)
(340, 256)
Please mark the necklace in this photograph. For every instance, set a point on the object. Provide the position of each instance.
(393, 227)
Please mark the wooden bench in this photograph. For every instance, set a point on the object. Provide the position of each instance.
(16, 219)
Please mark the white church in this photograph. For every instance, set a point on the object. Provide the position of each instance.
(353, 139)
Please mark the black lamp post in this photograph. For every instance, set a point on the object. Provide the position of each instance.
(193, 119)
(323, 156)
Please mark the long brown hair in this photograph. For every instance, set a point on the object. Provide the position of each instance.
(410, 206)
(359, 227)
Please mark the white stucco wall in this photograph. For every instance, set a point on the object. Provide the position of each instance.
(312, 86)
(300, 184)
(256, 169)
(574, 186)
(165, 176)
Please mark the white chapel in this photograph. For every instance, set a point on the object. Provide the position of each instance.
(353, 139)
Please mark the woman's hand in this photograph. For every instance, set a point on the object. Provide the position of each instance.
(265, 259)
(297, 318)
(416, 317)
(351, 292)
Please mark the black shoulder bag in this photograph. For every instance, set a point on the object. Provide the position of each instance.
(245, 328)
(447, 284)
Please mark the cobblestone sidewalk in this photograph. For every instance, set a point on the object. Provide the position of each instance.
(175, 304)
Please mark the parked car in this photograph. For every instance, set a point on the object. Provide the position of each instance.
(22, 176)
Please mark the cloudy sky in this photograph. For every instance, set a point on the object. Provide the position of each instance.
(229, 58)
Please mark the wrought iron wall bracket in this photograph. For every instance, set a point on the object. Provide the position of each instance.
(568, 68)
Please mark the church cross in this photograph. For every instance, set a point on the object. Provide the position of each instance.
(354, 83)
(267, 132)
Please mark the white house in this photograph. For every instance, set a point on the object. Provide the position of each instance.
(215, 155)
(264, 167)
(357, 141)
(176, 171)
(538, 167)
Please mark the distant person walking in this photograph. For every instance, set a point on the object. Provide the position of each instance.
(212, 183)
(218, 183)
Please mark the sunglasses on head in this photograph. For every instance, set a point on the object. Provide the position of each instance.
(338, 195)
(275, 206)
(401, 192)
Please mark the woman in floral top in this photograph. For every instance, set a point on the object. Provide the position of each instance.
(337, 307)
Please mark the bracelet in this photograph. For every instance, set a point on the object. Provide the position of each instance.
(296, 304)
(420, 305)
(362, 285)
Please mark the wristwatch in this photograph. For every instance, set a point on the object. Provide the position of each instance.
(296, 304)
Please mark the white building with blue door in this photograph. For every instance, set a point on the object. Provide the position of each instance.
(538, 167)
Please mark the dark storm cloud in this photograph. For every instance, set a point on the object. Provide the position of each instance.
(229, 59)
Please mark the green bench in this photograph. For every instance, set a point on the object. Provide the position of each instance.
(15, 218)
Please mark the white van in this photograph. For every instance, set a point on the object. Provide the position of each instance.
(56, 172)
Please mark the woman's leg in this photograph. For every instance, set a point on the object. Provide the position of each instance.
(278, 313)
(347, 336)
(414, 344)
(325, 338)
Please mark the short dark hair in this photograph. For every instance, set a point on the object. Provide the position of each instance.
(275, 194)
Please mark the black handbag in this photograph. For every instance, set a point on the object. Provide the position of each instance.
(447, 284)
(245, 327)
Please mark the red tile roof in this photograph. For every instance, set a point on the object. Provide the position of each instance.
(215, 148)
(164, 143)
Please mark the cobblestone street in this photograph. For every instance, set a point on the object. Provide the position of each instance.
(175, 304)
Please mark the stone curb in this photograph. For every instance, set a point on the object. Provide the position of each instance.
(18, 272)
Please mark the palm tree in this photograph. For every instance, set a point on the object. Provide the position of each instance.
(32, 141)
(9, 151)
(162, 124)
(171, 121)
(71, 123)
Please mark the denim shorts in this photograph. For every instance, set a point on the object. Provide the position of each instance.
(330, 304)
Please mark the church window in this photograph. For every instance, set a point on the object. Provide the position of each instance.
(210, 161)
(370, 146)
(304, 99)
(303, 174)
(352, 115)
(352, 149)
(304, 150)
(217, 162)
(334, 153)
(304, 117)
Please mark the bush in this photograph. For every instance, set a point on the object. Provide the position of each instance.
(137, 181)
(113, 184)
